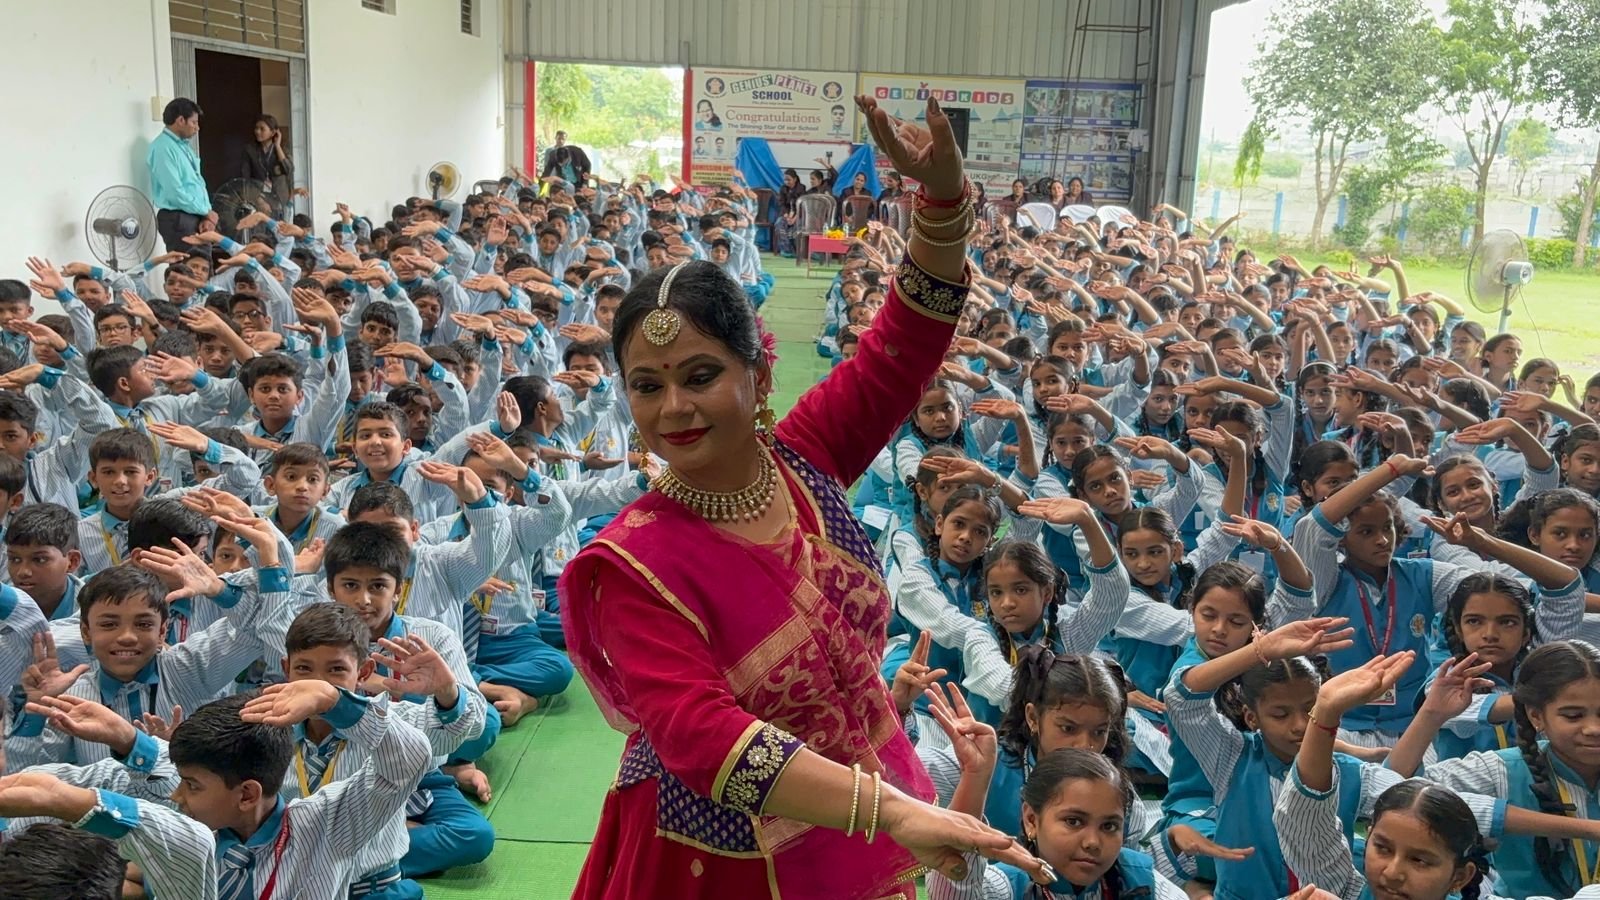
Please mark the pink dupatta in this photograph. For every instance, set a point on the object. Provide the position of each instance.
(797, 631)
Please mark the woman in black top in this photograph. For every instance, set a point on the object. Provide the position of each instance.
(893, 186)
(788, 213)
(863, 213)
(266, 160)
(822, 179)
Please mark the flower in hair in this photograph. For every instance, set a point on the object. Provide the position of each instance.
(769, 344)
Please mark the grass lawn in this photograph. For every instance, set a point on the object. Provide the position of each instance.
(1557, 316)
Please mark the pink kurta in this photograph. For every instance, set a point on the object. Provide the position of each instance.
(720, 658)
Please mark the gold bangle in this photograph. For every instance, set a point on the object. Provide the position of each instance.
(959, 233)
(961, 212)
(855, 798)
(925, 238)
(954, 213)
(877, 793)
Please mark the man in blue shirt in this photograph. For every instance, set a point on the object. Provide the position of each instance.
(178, 191)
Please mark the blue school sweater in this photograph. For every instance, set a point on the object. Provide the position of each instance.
(1402, 609)
(1515, 862)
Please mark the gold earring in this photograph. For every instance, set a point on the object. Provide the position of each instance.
(766, 419)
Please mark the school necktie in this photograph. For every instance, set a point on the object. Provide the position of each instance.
(471, 626)
(317, 762)
(418, 802)
(136, 420)
(177, 628)
(347, 426)
(236, 882)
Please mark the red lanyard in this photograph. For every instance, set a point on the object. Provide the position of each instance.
(277, 855)
(1255, 508)
(1366, 613)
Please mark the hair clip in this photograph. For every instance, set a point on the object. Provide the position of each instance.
(662, 325)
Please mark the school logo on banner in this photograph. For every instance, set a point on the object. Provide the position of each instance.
(729, 104)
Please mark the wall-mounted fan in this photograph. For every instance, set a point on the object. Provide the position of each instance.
(237, 199)
(443, 180)
(1497, 271)
(120, 226)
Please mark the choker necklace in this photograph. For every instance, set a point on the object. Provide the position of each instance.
(748, 503)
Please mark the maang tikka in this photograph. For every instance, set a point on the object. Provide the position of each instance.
(662, 325)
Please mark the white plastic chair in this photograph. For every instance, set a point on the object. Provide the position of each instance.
(1041, 215)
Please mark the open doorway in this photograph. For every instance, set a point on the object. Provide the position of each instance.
(233, 89)
(233, 85)
(628, 120)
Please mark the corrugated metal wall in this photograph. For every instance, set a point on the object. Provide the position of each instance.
(1000, 38)
(1016, 38)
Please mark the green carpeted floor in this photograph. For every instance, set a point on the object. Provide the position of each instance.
(551, 772)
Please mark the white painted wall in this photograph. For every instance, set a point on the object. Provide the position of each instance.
(389, 96)
(393, 94)
(80, 77)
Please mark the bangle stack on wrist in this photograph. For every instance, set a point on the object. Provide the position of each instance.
(950, 232)
(871, 830)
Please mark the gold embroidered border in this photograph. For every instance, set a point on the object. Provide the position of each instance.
(766, 756)
(780, 831)
(848, 559)
(930, 295)
(733, 757)
(687, 841)
(666, 595)
(781, 769)
(772, 650)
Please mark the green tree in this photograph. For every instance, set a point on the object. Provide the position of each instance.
(626, 104)
(1528, 142)
(562, 90)
(1438, 216)
(614, 112)
(1363, 191)
(1247, 165)
(1408, 153)
(1567, 58)
(1486, 80)
(1570, 208)
(1329, 64)
(1390, 177)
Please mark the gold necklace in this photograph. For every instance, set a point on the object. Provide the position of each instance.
(748, 503)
